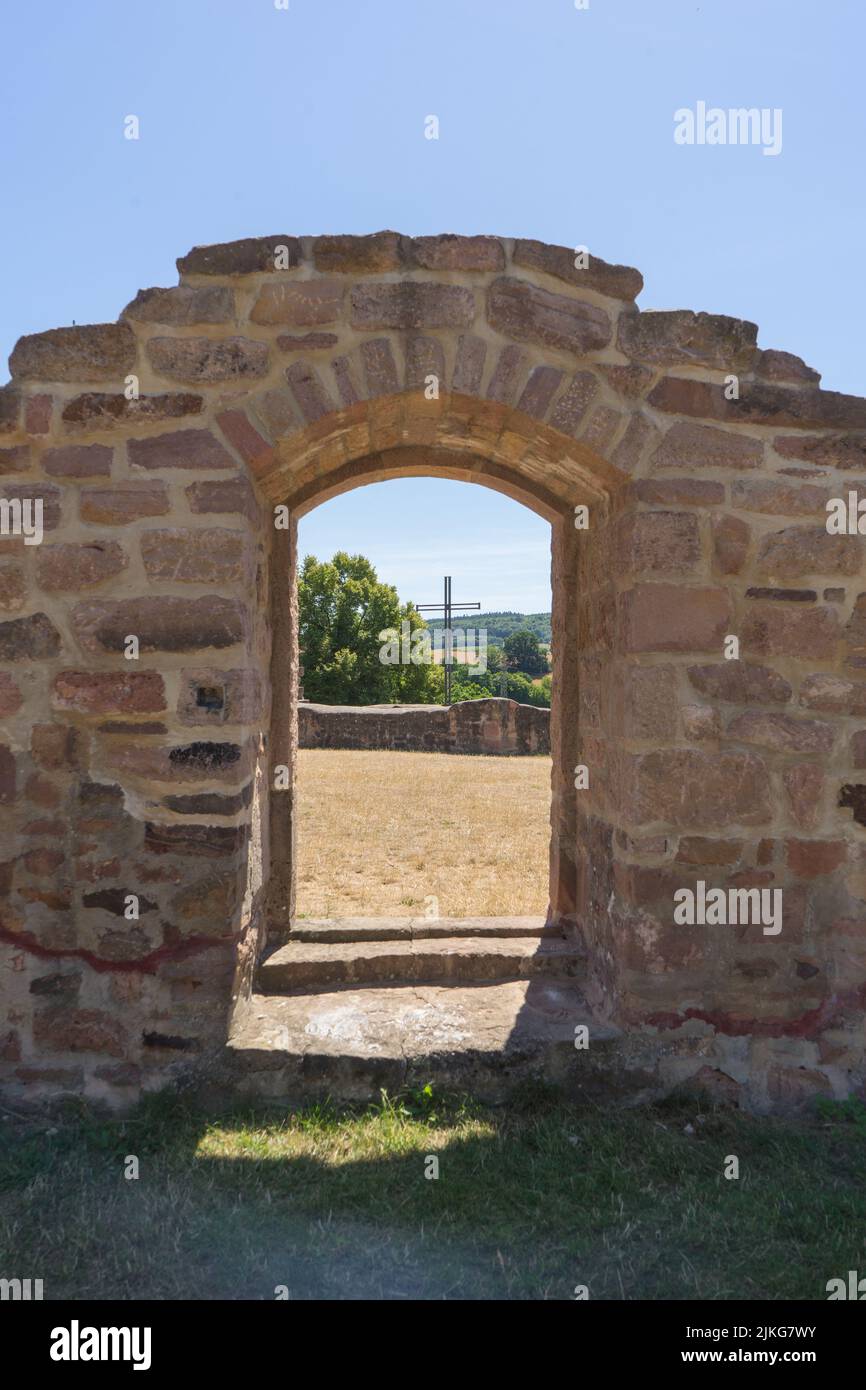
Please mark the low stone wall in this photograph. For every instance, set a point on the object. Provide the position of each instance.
(472, 726)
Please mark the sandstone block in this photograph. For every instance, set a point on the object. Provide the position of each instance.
(161, 623)
(523, 311)
(66, 568)
(678, 337)
(208, 359)
(197, 449)
(615, 281)
(109, 692)
(299, 303)
(126, 502)
(411, 304)
(187, 555)
(92, 352)
(244, 257)
(670, 618)
(182, 305)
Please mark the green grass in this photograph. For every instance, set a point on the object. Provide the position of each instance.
(530, 1201)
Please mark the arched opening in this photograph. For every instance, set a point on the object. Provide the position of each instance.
(417, 462)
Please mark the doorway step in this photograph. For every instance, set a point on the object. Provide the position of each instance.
(481, 1005)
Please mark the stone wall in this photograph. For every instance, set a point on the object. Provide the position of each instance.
(470, 726)
(148, 639)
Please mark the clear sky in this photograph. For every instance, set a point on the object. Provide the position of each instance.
(555, 123)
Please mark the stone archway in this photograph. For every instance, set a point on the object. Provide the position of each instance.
(282, 370)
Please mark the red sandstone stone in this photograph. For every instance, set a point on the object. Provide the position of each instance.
(571, 407)
(380, 369)
(776, 497)
(704, 790)
(741, 683)
(520, 310)
(10, 408)
(811, 858)
(833, 694)
(306, 342)
(243, 257)
(13, 588)
(15, 460)
(94, 410)
(801, 550)
(208, 359)
(782, 732)
(29, 639)
(615, 281)
(411, 304)
(637, 440)
(773, 630)
(10, 695)
(784, 366)
(182, 305)
(679, 337)
(698, 849)
(658, 543)
(161, 623)
(109, 692)
(224, 496)
(79, 1030)
(670, 618)
(503, 383)
(180, 449)
(66, 568)
(731, 538)
(7, 775)
(37, 414)
(358, 255)
(826, 450)
(78, 461)
(680, 492)
(687, 445)
(92, 352)
(701, 723)
(299, 303)
(803, 785)
(469, 364)
(244, 437)
(196, 556)
(449, 252)
(126, 502)
(312, 399)
(55, 747)
(424, 358)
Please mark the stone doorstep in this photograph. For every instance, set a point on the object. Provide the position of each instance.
(316, 965)
(417, 928)
(485, 1039)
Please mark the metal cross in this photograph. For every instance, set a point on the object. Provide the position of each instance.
(447, 608)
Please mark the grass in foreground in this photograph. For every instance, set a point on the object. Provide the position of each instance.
(379, 832)
(529, 1202)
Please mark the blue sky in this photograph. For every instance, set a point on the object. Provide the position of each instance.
(555, 123)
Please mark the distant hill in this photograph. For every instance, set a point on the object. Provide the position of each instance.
(501, 625)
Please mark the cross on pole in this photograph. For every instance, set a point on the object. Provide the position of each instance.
(447, 609)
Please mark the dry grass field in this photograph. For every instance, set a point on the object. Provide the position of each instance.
(380, 832)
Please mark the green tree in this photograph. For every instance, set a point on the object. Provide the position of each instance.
(342, 610)
(523, 653)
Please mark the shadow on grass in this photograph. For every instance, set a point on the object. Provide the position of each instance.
(529, 1202)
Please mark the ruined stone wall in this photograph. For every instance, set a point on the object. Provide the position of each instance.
(284, 370)
(492, 726)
